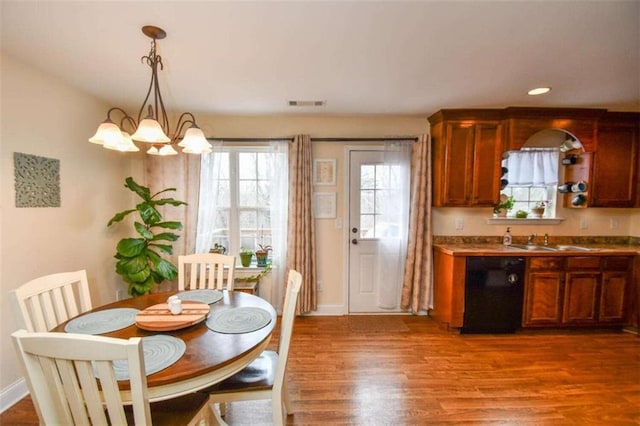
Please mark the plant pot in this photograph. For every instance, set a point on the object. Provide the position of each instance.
(245, 259)
(261, 257)
(537, 212)
(500, 213)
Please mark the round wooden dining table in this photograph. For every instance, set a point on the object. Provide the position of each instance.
(210, 357)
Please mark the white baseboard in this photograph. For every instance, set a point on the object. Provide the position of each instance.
(329, 310)
(10, 395)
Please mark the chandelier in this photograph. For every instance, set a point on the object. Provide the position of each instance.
(154, 127)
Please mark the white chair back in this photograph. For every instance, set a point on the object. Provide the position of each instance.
(206, 271)
(43, 303)
(62, 372)
(294, 282)
(264, 378)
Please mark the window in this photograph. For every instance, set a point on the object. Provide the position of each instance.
(376, 181)
(532, 176)
(242, 218)
(527, 196)
(238, 195)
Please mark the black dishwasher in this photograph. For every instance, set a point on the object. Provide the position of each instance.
(493, 294)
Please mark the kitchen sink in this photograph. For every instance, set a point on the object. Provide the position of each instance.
(572, 248)
(532, 247)
(536, 247)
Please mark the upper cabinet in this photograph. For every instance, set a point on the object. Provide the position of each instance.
(467, 149)
(522, 123)
(468, 146)
(616, 162)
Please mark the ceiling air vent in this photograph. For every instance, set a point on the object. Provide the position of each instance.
(307, 103)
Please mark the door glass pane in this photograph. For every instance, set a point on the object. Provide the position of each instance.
(367, 223)
(367, 176)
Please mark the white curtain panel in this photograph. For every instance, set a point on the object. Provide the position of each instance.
(210, 192)
(533, 167)
(394, 219)
(279, 169)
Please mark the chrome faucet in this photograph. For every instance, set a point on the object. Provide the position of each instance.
(531, 238)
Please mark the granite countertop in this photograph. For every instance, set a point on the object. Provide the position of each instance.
(491, 246)
(502, 250)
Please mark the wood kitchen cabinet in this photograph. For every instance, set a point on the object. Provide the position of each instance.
(616, 284)
(467, 150)
(616, 161)
(523, 122)
(581, 288)
(576, 291)
(544, 291)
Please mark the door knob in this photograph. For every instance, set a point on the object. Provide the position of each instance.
(354, 241)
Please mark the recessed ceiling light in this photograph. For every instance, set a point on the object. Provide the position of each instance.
(539, 91)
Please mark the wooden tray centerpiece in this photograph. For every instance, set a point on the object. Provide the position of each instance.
(159, 317)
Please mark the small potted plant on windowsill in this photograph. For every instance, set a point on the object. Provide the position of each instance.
(262, 253)
(245, 257)
(218, 248)
(506, 204)
(537, 211)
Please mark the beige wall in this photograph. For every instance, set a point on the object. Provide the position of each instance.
(330, 240)
(45, 117)
(598, 222)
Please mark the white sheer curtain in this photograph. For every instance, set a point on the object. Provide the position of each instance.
(279, 209)
(214, 195)
(210, 196)
(394, 219)
(533, 167)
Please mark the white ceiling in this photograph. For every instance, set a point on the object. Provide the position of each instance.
(361, 57)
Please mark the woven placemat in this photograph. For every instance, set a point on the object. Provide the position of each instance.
(238, 320)
(102, 321)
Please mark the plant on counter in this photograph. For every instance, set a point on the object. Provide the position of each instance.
(542, 204)
(139, 262)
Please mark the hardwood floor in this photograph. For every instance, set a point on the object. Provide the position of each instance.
(419, 374)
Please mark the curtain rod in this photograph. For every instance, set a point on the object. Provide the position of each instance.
(408, 138)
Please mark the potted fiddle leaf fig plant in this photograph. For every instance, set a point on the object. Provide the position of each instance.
(139, 261)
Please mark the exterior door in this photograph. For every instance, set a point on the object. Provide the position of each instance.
(367, 293)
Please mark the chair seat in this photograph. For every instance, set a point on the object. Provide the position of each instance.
(176, 411)
(259, 375)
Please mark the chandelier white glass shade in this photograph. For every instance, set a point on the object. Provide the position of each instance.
(154, 127)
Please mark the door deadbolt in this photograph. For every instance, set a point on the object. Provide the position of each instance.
(354, 230)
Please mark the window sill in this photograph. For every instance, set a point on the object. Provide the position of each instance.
(524, 221)
(251, 268)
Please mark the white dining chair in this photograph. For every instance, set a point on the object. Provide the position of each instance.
(265, 377)
(45, 302)
(72, 380)
(206, 271)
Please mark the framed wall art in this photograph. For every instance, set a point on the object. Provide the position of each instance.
(324, 171)
(324, 205)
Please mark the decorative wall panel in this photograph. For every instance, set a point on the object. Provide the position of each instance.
(37, 180)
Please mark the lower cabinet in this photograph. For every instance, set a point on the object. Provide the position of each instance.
(576, 291)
